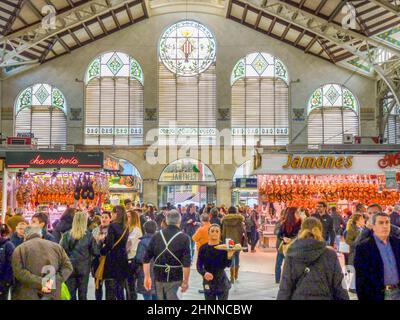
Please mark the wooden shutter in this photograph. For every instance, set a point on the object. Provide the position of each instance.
(259, 103)
(392, 130)
(116, 104)
(188, 102)
(49, 125)
(327, 126)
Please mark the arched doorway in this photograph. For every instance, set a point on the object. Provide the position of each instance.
(125, 180)
(186, 181)
(244, 185)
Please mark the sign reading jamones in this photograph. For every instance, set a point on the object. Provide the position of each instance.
(280, 163)
(73, 160)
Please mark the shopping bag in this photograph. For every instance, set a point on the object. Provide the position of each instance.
(65, 295)
(100, 271)
(344, 247)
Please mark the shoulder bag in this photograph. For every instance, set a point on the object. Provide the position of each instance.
(102, 262)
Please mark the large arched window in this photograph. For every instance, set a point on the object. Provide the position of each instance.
(332, 112)
(260, 100)
(114, 101)
(187, 84)
(41, 109)
(392, 129)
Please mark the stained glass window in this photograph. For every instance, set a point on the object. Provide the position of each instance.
(187, 85)
(260, 100)
(332, 112)
(114, 101)
(41, 109)
(187, 48)
(259, 64)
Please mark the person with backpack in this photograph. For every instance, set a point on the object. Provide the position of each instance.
(6, 251)
(150, 228)
(78, 243)
(312, 270)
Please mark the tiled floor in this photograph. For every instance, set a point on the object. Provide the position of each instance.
(256, 279)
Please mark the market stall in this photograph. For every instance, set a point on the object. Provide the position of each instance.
(244, 186)
(124, 180)
(56, 179)
(341, 180)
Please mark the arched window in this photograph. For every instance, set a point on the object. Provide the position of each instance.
(260, 100)
(332, 112)
(392, 129)
(187, 84)
(114, 101)
(41, 109)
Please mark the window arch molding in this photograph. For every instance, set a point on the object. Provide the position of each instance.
(332, 111)
(41, 109)
(114, 106)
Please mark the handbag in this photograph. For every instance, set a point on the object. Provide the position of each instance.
(65, 295)
(99, 275)
(283, 247)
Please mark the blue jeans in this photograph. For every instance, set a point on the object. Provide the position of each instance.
(278, 266)
(235, 259)
(149, 297)
(192, 246)
(337, 241)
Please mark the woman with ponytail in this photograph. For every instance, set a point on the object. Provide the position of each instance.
(312, 270)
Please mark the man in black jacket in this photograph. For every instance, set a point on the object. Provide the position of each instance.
(395, 216)
(327, 222)
(377, 263)
(170, 249)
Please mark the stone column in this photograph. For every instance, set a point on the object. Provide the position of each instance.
(150, 191)
(224, 192)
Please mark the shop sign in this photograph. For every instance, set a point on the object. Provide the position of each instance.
(84, 160)
(181, 176)
(111, 164)
(390, 179)
(319, 162)
(250, 183)
(389, 160)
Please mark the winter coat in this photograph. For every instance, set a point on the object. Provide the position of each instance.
(48, 236)
(96, 247)
(61, 226)
(79, 251)
(395, 219)
(116, 266)
(277, 229)
(190, 228)
(140, 253)
(369, 270)
(232, 227)
(6, 272)
(16, 241)
(28, 261)
(327, 227)
(338, 223)
(201, 235)
(352, 232)
(322, 282)
(367, 233)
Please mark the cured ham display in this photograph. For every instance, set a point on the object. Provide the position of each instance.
(34, 189)
(307, 190)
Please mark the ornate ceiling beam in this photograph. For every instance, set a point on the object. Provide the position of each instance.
(388, 6)
(31, 36)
